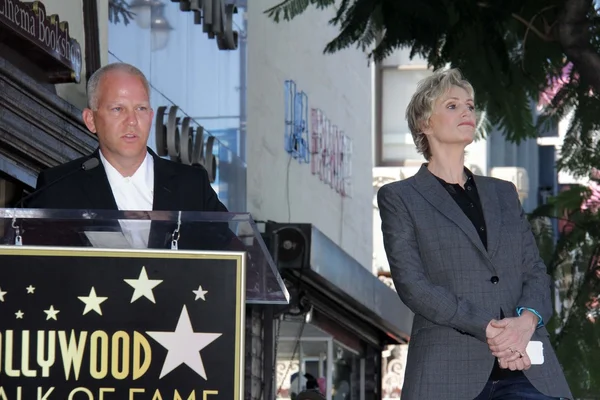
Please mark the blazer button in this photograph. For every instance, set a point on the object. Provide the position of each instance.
(495, 279)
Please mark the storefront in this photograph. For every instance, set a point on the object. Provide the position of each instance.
(340, 319)
(39, 129)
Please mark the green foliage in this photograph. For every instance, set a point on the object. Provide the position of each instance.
(119, 9)
(291, 9)
(509, 50)
(573, 262)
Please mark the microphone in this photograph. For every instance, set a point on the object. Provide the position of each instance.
(87, 165)
(90, 163)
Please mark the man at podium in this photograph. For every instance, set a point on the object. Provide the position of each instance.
(123, 173)
(128, 176)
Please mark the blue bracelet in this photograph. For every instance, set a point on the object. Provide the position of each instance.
(540, 320)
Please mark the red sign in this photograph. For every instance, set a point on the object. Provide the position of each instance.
(331, 153)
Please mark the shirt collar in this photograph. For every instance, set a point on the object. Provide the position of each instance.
(140, 175)
(468, 173)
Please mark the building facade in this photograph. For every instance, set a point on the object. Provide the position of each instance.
(45, 54)
(309, 124)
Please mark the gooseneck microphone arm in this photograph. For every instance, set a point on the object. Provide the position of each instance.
(85, 166)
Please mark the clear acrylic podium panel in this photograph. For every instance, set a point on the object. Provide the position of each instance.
(203, 231)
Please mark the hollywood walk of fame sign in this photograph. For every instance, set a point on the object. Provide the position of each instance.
(121, 324)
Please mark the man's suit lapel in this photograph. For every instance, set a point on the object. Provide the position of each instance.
(163, 200)
(164, 190)
(429, 187)
(97, 188)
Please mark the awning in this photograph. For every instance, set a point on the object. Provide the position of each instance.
(338, 285)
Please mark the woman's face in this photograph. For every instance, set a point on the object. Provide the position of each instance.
(452, 120)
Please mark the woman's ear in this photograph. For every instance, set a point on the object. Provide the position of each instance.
(426, 127)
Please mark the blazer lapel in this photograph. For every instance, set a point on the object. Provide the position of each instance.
(164, 191)
(97, 187)
(429, 187)
(163, 200)
(491, 211)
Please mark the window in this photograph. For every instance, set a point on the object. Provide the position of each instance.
(394, 88)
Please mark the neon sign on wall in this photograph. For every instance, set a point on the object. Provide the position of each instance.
(296, 123)
(329, 150)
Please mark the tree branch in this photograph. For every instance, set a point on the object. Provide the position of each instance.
(574, 35)
(530, 26)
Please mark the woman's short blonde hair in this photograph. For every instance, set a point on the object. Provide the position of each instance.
(423, 100)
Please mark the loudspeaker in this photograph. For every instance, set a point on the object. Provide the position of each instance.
(289, 244)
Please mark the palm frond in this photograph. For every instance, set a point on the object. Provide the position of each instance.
(119, 9)
(289, 9)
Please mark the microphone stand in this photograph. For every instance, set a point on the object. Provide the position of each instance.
(87, 165)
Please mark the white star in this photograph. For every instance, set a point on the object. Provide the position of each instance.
(184, 345)
(51, 313)
(19, 314)
(92, 302)
(143, 286)
(2, 295)
(30, 289)
(200, 293)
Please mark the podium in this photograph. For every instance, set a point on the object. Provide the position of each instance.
(98, 304)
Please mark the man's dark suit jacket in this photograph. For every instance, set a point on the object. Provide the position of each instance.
(177, 187)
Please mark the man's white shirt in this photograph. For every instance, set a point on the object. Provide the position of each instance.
(133, 193)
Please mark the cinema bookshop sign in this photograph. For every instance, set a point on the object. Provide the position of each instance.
(43, 39)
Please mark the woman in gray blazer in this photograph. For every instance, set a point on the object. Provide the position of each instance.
(464, 260)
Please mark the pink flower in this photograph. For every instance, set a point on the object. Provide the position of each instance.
(322, 385)
(592, 202)
(554, 86)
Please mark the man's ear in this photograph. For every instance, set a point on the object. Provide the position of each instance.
(88, 119)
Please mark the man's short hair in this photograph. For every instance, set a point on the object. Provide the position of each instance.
(96, 78)
(423, 100)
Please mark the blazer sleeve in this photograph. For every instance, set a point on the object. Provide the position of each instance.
(435, 303)
(536, 292)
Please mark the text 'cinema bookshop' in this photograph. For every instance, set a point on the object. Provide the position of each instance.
(38, 129)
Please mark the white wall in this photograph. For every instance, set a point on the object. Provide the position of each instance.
(72, 12)
(338, 84)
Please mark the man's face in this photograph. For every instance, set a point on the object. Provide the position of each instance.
(122, 118)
